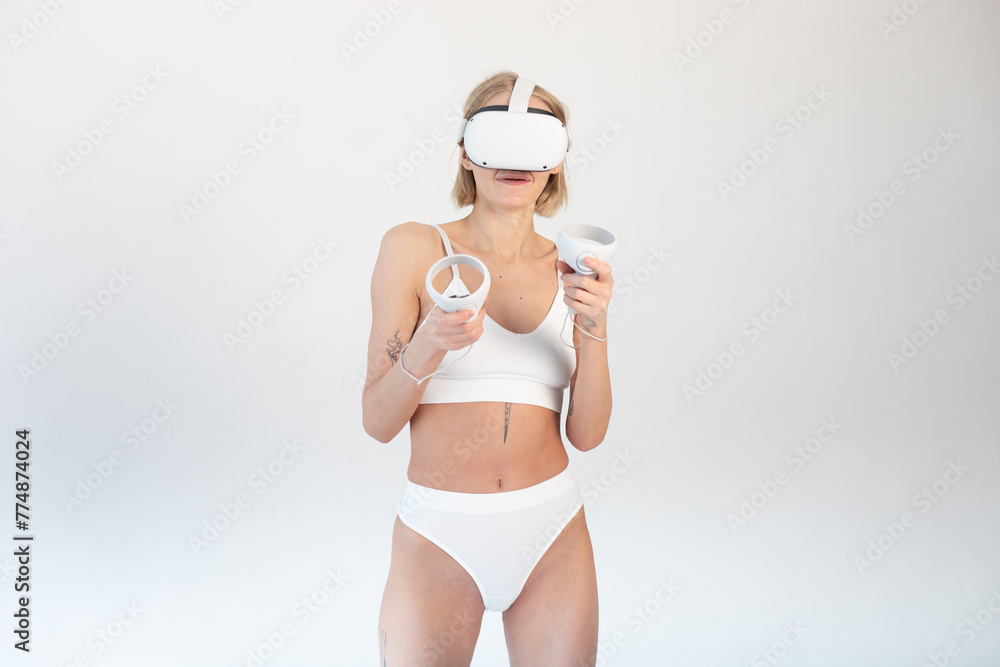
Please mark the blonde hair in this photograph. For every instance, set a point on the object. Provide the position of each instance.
(555, 195)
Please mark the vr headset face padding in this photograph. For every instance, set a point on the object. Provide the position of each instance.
(515, 137)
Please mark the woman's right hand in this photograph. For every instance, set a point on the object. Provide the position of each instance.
(452, 331)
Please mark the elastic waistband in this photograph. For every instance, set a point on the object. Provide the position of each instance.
(417, 497)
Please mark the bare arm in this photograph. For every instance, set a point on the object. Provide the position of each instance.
(390, 396)
(590, 387)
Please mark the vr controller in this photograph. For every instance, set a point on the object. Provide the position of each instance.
(457, 296)
(515, 137)
(576, 242)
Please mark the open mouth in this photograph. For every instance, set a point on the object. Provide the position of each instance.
(514, 178)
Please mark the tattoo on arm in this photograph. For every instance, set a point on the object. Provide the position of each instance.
(506, 420)
(394, 346)
(570, 413)
(381, 648)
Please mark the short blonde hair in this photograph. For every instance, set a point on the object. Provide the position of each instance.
(555, 195)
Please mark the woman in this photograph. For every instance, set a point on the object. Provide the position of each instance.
(491, 518)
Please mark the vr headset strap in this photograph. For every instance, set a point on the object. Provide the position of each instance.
(520, 95)
(518, 103)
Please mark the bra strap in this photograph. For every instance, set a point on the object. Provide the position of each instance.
(447, 247)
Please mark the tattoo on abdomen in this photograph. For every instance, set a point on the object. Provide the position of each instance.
(393, 347)
(570, 414)
(506, 420)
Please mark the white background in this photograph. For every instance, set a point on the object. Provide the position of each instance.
(673, 130)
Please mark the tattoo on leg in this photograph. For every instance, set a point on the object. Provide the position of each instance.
(506, 420)
(394, 346)
(570, 413)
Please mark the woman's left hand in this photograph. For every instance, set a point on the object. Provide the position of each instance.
(589, 296)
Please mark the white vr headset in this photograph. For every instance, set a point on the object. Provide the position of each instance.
(515, 137)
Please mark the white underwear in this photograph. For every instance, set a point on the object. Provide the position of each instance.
(497, 537)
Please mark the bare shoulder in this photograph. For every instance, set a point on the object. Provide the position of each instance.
(406, 252)
(405, 248)
(407, 231)
(401, 235)
(410, 243)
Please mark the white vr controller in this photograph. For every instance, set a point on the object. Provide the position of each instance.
(576, 242)
(457, 296)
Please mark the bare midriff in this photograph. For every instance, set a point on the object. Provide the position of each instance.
(484, 447)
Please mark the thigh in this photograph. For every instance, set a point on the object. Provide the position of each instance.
(553, 622)
(431, 609)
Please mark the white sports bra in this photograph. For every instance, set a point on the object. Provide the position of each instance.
(503, 366)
